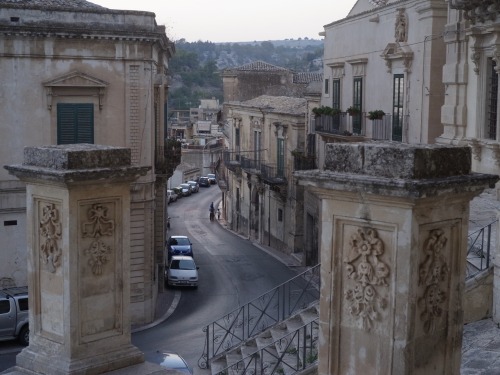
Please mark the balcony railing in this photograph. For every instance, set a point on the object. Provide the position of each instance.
(232, 160)
(250, 164)
(343, 124)
(479, 248)
(304, 162)
(273, 175)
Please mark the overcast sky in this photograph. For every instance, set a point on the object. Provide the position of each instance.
(239, 21)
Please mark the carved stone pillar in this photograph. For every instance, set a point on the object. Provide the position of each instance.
(78, 212)
(394, 222)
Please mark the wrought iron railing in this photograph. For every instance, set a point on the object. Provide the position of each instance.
(294, 352)
(341, 124)
(273, 175)
(259, 314)
(250, 164)
(478, 252)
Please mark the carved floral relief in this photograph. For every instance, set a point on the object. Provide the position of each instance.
(364, 265)
(98, 227)
(433, 274)
(50, 230)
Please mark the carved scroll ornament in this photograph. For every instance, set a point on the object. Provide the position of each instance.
(98, 226)
(364, 266)
(50, 230)
(433, 273)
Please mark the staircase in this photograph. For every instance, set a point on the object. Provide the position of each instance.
(276, 333)
(289, 347)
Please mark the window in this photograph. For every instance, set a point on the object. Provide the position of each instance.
(23, 304)
(280, 214)
(256, 148)
(237, 143)
(280, 158)
(336, 94)
(75, 123)
(4, 306)
(327, 86)
(491, 101)
(397, 108)
(357, 102)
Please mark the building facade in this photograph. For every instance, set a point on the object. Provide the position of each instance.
(262, 200)
(75, 72)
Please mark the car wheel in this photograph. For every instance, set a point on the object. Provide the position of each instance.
(24, 336)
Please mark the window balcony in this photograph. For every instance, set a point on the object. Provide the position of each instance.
(347, 127)
(232, 160)
(273, 175)
(250, 165)
(341, 124)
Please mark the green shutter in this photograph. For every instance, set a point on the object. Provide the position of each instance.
(75, 123)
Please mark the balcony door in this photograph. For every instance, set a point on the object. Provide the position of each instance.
(357, 102)
(397, 107)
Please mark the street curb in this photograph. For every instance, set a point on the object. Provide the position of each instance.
(170, 311)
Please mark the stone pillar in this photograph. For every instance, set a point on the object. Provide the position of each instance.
(78, 208)
(394, 221)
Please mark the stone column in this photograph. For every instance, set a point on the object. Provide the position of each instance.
(78, 208)
(394, 221)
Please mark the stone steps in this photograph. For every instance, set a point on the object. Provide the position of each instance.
(279, 349)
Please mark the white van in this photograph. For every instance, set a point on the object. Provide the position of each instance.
(171, 196)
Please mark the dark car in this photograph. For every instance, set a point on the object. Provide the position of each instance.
(179, 245)
(173, 361)
(204, 182)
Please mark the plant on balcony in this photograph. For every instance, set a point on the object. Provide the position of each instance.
(325, 110)
(171, 158)
(376, 115)
(353, 110)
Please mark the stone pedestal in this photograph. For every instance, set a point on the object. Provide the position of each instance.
(393, 248)
(78, 199)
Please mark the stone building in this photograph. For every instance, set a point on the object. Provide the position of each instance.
(262, 200)
(385, 56)
(260, 78)
(76, 72)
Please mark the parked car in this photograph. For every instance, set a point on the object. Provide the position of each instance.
(14, 315)
(182, 271)
(186, 189)
(173, 361)
(194, 186)
(211, 178)
(178, 190)
(204, 182)
(179, 245)
(171, 196)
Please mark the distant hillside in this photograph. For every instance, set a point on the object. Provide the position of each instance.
(195, 67)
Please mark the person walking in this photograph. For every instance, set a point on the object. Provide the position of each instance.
(212, 212)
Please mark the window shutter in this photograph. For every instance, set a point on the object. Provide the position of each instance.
(75, 123)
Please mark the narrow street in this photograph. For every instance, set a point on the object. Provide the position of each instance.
(232, 272)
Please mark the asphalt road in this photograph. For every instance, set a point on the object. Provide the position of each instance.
(232, 272)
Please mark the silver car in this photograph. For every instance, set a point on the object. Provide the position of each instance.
(194, 186)
(182, 271)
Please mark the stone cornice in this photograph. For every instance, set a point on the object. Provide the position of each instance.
(477, 12)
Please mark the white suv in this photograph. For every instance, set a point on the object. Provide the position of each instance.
(14, 315)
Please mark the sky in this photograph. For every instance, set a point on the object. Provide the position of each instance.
(221, 21)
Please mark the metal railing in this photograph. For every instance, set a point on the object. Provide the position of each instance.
(259, 314)
(294, 352)
(341, 124)
(479, 248)
(273, 175)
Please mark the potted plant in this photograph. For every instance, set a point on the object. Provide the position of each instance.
(325, 110)
(376, 115)
(353, 110)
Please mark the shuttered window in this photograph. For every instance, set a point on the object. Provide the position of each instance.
(75, 123)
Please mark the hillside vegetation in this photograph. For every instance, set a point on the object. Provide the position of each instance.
(195, 68)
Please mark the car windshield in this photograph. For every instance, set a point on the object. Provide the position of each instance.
(179, 241)
(211, 175)
(185, 185)
(182, 264)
